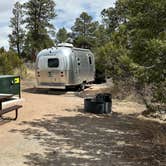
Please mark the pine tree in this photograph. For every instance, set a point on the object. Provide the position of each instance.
(83, 30)
(39, 13)
(16, 38)
(62, 35)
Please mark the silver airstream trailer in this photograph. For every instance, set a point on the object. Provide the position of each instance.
(64, 66)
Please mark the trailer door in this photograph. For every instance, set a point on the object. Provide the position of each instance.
(56, 70)
(53, 65)
(77, 64)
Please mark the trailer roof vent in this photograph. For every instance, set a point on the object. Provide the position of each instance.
(65, 45)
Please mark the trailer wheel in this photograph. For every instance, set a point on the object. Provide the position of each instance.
(82, 86)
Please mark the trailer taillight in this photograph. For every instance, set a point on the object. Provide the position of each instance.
(62, 74)
(38, 74)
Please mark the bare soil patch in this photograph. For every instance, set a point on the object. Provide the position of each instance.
(53, 129)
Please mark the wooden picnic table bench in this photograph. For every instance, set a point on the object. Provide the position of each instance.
(15, 108)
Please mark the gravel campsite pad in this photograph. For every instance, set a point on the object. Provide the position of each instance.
(53, 129)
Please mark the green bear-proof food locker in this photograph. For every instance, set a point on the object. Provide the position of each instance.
(10, 84)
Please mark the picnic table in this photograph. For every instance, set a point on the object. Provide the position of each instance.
(6, 97)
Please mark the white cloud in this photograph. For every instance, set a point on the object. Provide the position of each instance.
(67, 12)
(5, 14)
(4, 31)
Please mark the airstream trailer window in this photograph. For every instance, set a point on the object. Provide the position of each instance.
(53, 62)
(90, 60)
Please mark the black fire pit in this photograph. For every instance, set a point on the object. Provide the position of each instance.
(100, 104)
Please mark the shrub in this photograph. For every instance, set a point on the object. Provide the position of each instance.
(10, 62)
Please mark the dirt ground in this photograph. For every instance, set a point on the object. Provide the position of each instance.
(53, 130)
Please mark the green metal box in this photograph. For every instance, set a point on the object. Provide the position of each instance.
(10, 84)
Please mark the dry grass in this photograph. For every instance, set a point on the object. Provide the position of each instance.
(30, 74)
(128, 107)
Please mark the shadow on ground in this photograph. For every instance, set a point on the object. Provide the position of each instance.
(45, 91)
(115, 140)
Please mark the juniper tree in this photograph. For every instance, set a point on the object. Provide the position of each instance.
(138, 43)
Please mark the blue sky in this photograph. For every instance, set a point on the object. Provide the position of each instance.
(67, 11)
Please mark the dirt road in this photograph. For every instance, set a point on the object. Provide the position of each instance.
(53, 130)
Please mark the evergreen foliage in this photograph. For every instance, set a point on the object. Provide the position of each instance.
(138, 32)
(9, 61)
(84, 31)
(62, 35)
(16, 38)
(38, 14)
